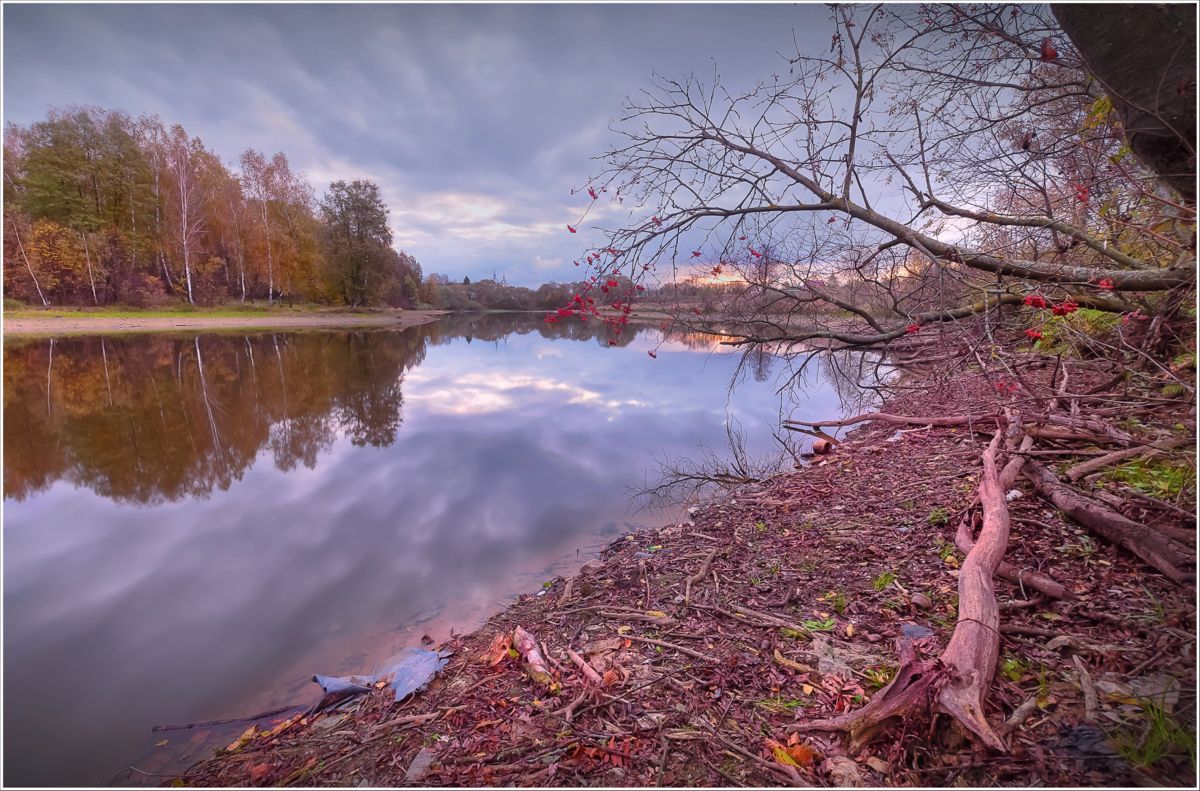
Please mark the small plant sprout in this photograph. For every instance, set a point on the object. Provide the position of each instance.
(883, 580)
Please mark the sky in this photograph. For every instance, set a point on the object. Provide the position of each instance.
(476, 120)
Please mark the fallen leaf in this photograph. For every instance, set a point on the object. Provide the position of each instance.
(783, 755)
(879, 765)
(163, 743)
(843, 772)
(259, 771)
(246, 736)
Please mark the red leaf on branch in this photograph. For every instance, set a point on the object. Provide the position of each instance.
(569, 228)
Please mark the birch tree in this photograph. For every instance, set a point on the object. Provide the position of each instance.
(188, 197)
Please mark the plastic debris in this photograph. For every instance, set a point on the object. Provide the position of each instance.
(407, 672)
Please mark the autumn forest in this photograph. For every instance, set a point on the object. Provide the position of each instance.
(104, 208)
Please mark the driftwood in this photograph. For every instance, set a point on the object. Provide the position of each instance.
(958, 681)
(1086, 468)
(1028, 578)
(902, 420)
(1151, 546)
(964, 536)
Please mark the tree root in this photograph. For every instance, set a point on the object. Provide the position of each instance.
(957, 682)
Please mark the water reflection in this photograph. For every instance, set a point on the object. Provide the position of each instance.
(196, 524)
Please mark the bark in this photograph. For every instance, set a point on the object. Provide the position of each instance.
(28, 267)
(1152, 547)
(1094, 465)
(959, 680)
(903, 420)
(1144, 55)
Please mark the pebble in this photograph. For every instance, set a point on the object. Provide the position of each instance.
(922, 601)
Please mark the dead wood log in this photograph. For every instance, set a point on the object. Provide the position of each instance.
(959, 680)
(964, 539)
(903, 420)
(1086, 468)
(1155, 549)
(964, 536)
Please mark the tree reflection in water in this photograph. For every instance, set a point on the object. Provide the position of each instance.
(157, 418)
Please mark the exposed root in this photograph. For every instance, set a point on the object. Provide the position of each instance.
(957, 682)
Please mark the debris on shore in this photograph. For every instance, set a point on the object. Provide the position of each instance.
(703, 652)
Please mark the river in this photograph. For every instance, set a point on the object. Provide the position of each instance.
(195, 524)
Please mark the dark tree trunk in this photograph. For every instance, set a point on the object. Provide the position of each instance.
(1144, 55)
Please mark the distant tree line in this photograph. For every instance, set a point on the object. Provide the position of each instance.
(101, 208)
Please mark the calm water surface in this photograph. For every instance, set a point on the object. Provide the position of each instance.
(194, 525)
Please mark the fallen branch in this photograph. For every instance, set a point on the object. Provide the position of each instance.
(588, 671)
(1086, 468)
(903, 420)
(672, 646)
(959, 680)
(698, 577)
(1152, 547)
(210, 723)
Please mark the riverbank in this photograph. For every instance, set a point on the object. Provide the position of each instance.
(715, 651)
(75, 322)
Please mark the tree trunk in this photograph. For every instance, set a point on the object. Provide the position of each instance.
(270, 257)
(91, 278)
(28, 267)
(1144, 56)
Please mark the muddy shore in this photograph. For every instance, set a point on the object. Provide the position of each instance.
(698, 653)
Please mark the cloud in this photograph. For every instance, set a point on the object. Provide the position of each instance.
(477, 121)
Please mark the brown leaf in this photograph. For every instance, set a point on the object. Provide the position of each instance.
(498, 651)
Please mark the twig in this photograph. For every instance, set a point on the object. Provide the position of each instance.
(1018, 717)
(698, 577)
(1091, 703)
(210, 723)
(672, 646)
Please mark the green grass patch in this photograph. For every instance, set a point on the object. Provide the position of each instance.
(1165, 479)
(780, 704)
(883, 580)
(1154, 736)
